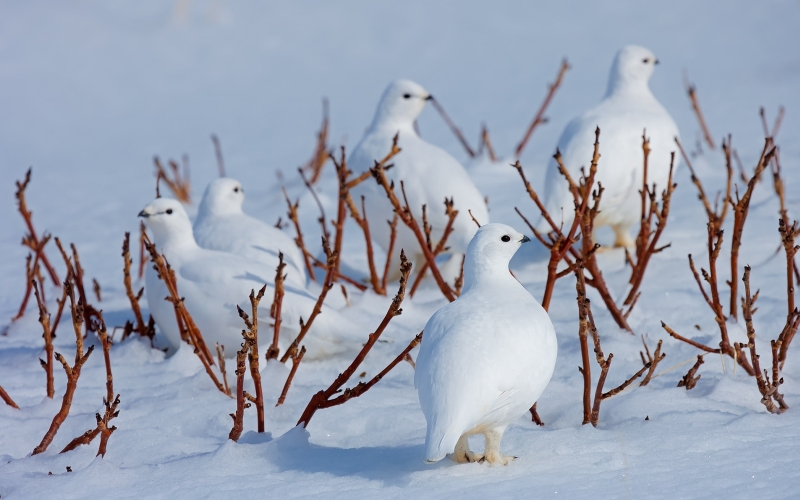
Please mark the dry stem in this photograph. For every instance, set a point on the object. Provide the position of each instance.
(539, 118)
(692, 91)
(73, 373)
(296, 359)
(179, 183)
(251, 335)
(322, 399)
(332, 258)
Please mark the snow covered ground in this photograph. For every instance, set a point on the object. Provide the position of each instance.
(91, 91)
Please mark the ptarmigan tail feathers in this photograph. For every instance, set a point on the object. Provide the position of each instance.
(440, 442)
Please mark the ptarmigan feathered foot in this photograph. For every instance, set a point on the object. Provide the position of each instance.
(491, 454)
(623, 237)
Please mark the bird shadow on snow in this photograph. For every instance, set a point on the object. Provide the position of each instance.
(390, 464)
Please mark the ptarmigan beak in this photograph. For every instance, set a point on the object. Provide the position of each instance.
(429, 98)
(656, 61)
(524, 239)
(143, 214)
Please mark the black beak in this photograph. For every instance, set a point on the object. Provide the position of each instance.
(429, 98)
(143, 214)
(524, 239)
(656, 62)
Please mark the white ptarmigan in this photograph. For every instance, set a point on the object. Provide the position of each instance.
(628, 108)
(212, 283)
(429, 173)
(485, 358)
(221, 224)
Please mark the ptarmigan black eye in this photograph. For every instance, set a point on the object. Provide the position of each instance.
(646, 60)
(506, 238)
(406, 96)
(236, 189)
(169, 211)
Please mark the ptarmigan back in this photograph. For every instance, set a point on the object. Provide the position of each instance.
(487, 357)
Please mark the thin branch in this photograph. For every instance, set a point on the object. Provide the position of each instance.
(539, 118)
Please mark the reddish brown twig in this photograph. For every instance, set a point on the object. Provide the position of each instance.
(453, 127)
(486, 142)
(275, 310)
(535, 418)
(252, 336)
(298, 240)
(241, 403)
(332, 257)
(740, 211)
(322, 399)
(218, 154)
(73, 372)
(689, 380)
(110, 401)
(768, 388)
(7, 399)
(692, 91)
(32, 240)
(296, 359)
(405, 214)
(31, 270)
(451, 214)
(591, 414)
(651, 360)
(186, 324)
(141, 328)
(178, 183)
(363, 223)
(647, 239)
(788, 236)
(221, 360)
(392, 240)
(47, 363)
(321, 150)
(97, 291)
(142, 258)
(539, 118)
(321, 219)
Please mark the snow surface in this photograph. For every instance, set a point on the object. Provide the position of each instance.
(91, 90)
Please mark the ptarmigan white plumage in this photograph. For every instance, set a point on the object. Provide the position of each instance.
(429, 173)
(213, 283)
(627, 109)
(221, 224)
(485, 358)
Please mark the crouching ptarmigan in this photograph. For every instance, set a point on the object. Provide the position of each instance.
(213, 283)
(627, 109)
(221, 224)
(428, 172)
(485, 358)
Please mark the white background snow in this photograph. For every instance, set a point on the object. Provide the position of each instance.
(90, 91)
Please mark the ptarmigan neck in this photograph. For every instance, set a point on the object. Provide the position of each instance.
(392, 125)
(179, 240)
(628, 89)
(485, 273)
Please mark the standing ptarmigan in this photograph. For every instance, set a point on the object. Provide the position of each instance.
(627, 109)
(213, 283)
(221, 224)
(485, 358)
(429, 173)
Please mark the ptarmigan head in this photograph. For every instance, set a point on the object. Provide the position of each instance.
(490, 251)
(223, 196)
(402, 102)
(168, 222)
(633, 65)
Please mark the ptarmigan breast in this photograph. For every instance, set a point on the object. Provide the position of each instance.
(487, 357)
